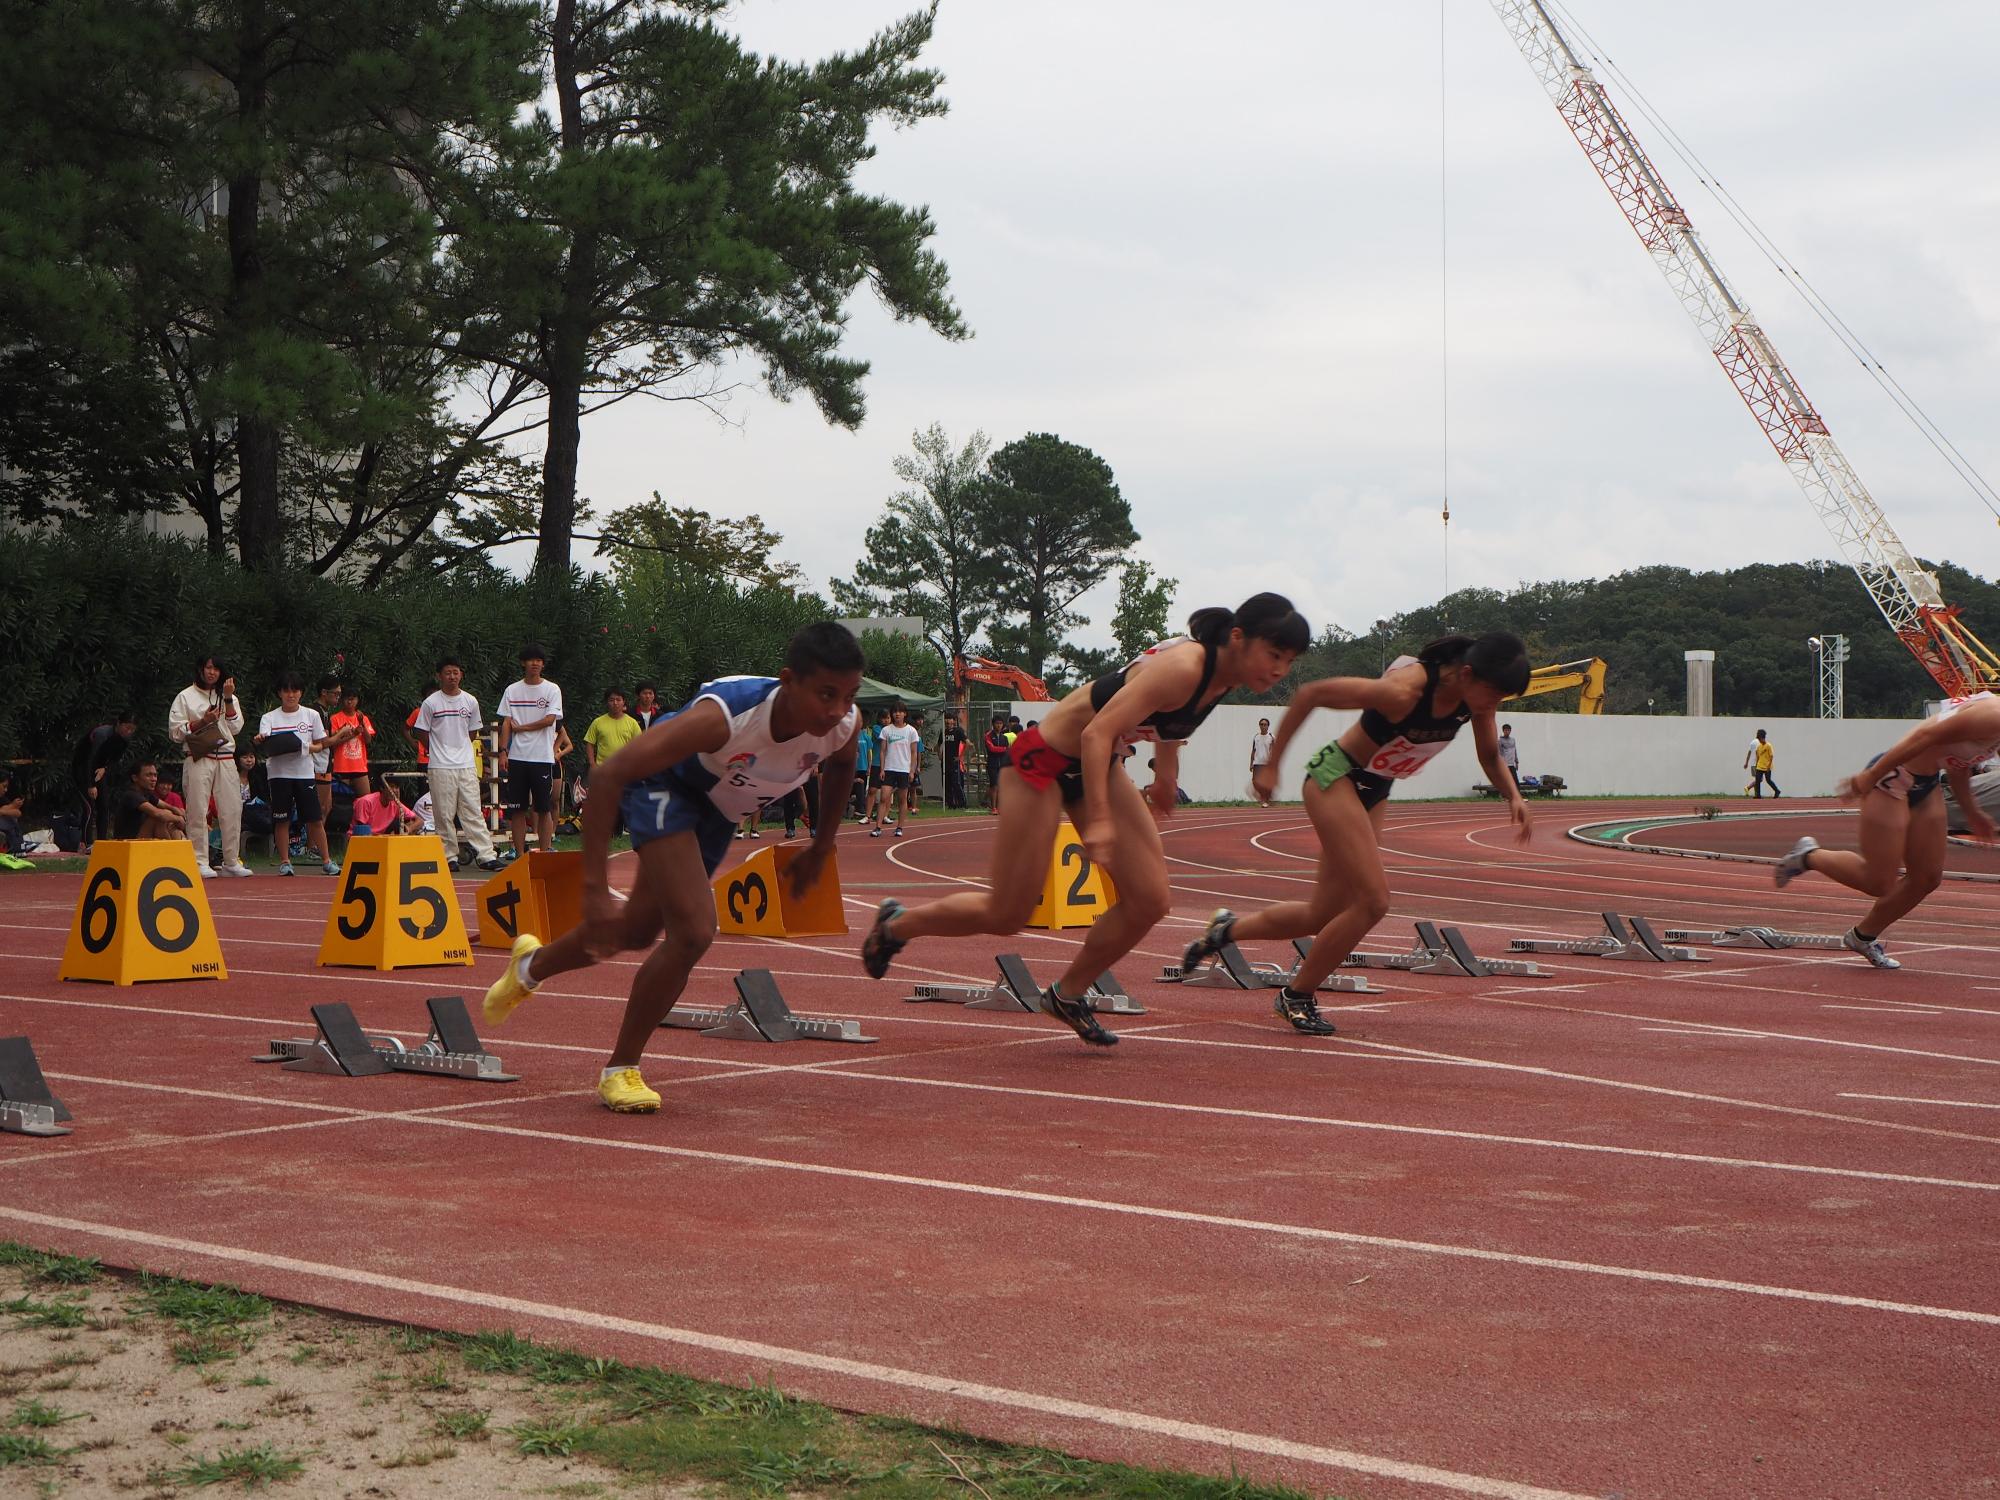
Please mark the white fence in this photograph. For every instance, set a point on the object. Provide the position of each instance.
(1599, 755)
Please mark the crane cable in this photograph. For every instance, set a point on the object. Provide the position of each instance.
(1793, 277)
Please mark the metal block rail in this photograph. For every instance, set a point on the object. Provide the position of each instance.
(761, 1014)
(1629, 938)
(1755, 937)
(1016, 990)
(452, 1050)
(26, 1105)
(1231, 970)
(1443, 951)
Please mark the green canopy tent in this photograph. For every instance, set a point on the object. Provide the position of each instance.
(875, 694)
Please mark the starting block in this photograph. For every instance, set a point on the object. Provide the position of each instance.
(1631, 938)
(1233, 971)
(26, 1105)
(1016, 990)
(760, 1014)
(1755, 937)
(1442, 951)
(453, 1049)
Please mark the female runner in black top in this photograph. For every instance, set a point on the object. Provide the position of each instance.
(1066, 764)
(1408, 715)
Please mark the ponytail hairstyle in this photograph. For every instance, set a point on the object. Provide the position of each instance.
(1261, 617)
(1497, 658)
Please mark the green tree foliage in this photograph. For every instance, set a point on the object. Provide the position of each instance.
(903, 661)
(1055, 527)
(742, 548)
(1144, 603)
(927, 557)
(241, 214)
(687, 201)
(96, 622)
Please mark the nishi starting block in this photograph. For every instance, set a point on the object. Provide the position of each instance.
(1631, 938)
(1231, 970)
(453, 1049)
(26, 1105)
(1016, 990)
(760, 1014)
(1441, 951)
(1755, 937)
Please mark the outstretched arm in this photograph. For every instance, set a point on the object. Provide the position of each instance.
(1486, 744)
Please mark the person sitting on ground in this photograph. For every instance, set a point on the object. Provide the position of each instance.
(143, 811)
(13, 807)
(385, 812)
(256, 801)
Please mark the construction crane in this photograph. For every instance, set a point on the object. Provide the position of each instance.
(993, 673)
(1587, 674)
(1907, 596)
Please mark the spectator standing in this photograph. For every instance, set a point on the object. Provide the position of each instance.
(864, 766)
(141, 809)
(648, 711)
(611, 731)
(996, 760)
(93, 766)
(953, 736)
(353, 733)
(446, 722)
(900, 744)
(878, 788)
(1260, 746)
(1510, 753)
(530, 710)
(292, 735)
(204, 720)
(322, 760)
(385, 811)
(1757, 761)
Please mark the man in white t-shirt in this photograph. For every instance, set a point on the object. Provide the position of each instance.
(1260, 746)
(899, 744)
(446, 724)
(530, 710)
(290, 735)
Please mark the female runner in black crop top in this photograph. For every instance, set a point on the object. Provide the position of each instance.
(1408, 715)
(1065, 764)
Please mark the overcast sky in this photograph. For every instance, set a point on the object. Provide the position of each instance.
(1204, 242)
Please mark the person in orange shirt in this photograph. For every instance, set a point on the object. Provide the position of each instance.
(350, 756)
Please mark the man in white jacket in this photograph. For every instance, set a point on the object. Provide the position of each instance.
(204, 720)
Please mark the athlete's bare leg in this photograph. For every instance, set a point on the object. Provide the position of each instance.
(671, 901)
(1021, 844)
(1139, 871)
(1923, 868)
(1885, 833)
(1351, 891)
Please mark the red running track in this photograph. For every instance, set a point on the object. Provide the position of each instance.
(1725, 1229)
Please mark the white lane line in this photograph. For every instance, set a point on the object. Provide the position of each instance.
(1892, 1010)
(1308, 1232)
(1225, 1439)
(1907, 1099)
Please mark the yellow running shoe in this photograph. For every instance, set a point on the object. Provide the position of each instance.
(507, 991)
(625, 1093)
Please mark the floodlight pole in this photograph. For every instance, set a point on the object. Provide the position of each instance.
(1831, 653)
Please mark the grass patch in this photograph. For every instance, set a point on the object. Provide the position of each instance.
(249, 1467)
(549, 1439)
(418, 1458)
(26, 1448)
(47, 1266)
(61, 1313)
(461, 1426)
(40, 1414)
(204, 1348)
(191, 1306)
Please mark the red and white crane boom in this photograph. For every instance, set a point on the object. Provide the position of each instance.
(1907, 595)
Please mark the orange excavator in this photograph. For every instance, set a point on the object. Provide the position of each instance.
(993, 673)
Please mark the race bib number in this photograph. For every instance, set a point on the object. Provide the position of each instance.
(1400, 757)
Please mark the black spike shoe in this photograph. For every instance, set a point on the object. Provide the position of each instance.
(879, 949)
(1077, 1016)
(1303, 1012)
(1220, 924)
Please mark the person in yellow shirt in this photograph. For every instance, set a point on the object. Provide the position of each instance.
(1757, 761)
(610, 732)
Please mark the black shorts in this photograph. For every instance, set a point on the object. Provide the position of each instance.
(294, 801)
(874, 775)
(897, 779)
(529, 784)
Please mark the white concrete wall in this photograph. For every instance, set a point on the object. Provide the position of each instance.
(1599, 755)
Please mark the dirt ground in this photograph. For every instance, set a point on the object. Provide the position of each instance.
(124, 1389)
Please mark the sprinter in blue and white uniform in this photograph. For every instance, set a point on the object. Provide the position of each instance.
(683, 786)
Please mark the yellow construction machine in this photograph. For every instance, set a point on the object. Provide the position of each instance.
(1588, 675)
